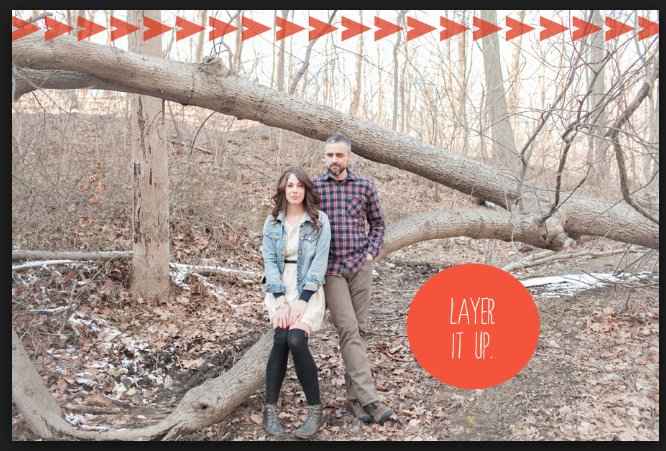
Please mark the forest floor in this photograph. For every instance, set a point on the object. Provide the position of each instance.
(111, 359)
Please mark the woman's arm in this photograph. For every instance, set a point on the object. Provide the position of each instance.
(271, 270)
(317, 272)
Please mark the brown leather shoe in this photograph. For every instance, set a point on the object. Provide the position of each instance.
(359, 412)
(379, 412)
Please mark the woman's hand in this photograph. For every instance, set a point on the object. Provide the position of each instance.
(281, 317)
(296, 312)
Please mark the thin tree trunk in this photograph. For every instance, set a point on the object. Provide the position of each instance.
(599, 148)
(280, 64)
(396, 92)
(203, 18)
(356, 93)
(505, 152)
(150, 181)
(462, 67)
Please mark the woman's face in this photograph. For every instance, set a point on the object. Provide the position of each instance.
(294, 191)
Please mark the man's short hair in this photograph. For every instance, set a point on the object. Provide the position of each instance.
(338, 137)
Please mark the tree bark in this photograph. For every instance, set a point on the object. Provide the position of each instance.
(599, 145)
(358, 86)
(280, 63)
(188, 84)
(505, 152)
(203, 19)
(150, 180)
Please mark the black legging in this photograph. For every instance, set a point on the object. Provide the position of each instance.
(306, 369)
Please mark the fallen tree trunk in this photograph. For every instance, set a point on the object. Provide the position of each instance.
(60, 257)
(474, 223)
(68, 255)
(202, 406)
(196, 84)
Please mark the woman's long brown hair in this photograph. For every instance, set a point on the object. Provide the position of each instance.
(310, 200)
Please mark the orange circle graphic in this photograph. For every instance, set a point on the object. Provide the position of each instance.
(473, 326)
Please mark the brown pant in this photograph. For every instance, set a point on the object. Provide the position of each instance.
(348, 299)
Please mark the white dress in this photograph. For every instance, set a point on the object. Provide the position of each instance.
(316, 308)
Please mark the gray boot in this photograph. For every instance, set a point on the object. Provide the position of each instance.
(311, 424)
(272, 423)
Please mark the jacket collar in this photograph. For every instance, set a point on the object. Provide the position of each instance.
(281, 214)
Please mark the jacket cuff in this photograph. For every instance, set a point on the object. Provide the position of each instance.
(306, 295)
(312, 286)
(275, 288)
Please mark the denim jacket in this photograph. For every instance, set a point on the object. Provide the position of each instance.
(313, 247)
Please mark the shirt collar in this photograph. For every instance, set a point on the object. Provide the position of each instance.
(329, 176)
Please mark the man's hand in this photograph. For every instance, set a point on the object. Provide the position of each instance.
(281, 317)
(296, 312)
(369, 257)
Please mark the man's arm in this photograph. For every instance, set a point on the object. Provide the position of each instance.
(376, 222)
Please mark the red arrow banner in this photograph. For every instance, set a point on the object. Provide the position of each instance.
(583, 28)
(451, 28)
(252, 28)
(219, 28)
(352, 28)
(648, 28)
(517, 28)
(385, 28)
(24, 28)
(418, 28)
(87, 28)
(153, 28)
(286, 28)
(320, 28)
(484, 28)
(187, 28)
(551, 28)
(615, 29)
(121, 28)
(55, 28)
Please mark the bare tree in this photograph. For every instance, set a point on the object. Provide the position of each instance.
(598, 152)
(358, 85)
(504, 146)
(203, 18)
(396, 78)
(306, 62)
(280, 62)
(150, 217)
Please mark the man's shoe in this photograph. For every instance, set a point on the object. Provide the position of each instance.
(359, 412)
(379, 412)
(272, 423)
(311, 424)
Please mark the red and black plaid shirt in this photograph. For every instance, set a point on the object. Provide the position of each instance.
(348, 204)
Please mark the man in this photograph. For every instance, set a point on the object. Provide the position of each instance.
(349, 200)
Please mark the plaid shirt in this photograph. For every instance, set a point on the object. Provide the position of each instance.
(348, 204)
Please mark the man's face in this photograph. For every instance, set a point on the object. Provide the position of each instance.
(336, 157)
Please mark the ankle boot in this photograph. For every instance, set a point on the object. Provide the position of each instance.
(311, 424)
(272, 423)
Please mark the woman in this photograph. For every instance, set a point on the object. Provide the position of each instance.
(296, 239)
